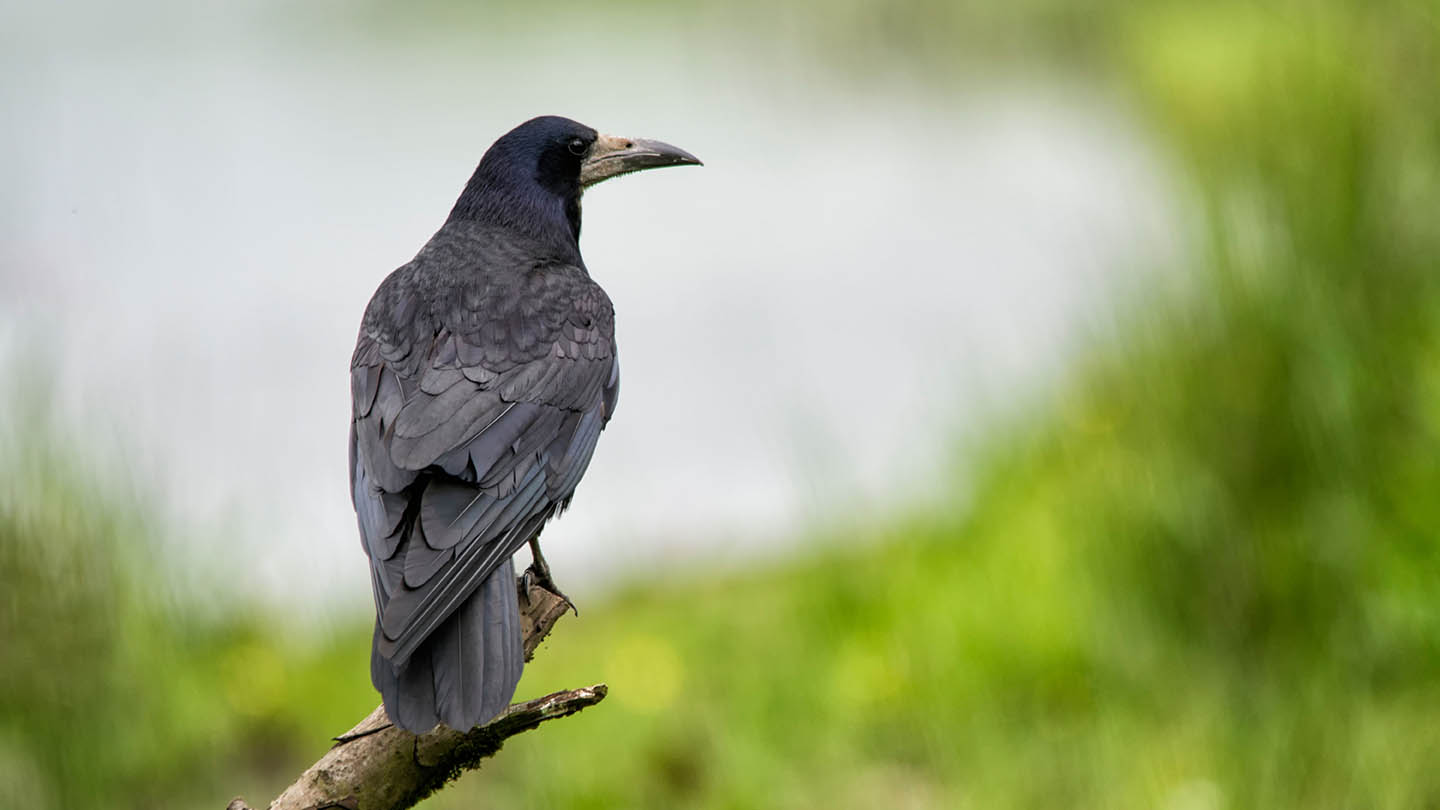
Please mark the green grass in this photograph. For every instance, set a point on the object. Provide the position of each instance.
(111, 694)
(994, 664)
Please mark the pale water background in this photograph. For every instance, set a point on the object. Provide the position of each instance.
(191, 224)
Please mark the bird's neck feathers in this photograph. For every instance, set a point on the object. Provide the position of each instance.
(503, 193)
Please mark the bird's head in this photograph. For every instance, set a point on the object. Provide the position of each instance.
(531, 178)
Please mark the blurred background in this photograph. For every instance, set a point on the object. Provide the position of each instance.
(1028, 404)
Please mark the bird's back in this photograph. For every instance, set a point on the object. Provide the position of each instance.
(484, 371)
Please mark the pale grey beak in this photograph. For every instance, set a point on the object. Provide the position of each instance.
(612, 156)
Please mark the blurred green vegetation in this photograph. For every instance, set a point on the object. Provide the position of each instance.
(111, 693)
(1205, 574)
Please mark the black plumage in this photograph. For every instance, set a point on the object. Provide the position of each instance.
(484, 371)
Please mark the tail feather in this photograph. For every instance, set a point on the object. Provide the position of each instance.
(407, 693)
(465, 673)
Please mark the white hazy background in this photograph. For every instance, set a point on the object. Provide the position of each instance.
(198, 200)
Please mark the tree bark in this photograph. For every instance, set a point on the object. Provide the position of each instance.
(376, 766)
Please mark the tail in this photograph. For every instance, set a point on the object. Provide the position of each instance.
(465, 673)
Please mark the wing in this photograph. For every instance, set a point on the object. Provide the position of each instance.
(467, 439)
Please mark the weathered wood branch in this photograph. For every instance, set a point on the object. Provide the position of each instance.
(376, 766)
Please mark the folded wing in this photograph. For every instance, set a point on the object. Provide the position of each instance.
(464, 443)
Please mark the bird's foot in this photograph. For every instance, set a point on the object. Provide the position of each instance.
(539, 574)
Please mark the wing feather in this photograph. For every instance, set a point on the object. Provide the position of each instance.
(472, 427)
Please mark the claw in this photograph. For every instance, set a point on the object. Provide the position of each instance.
(527, 579)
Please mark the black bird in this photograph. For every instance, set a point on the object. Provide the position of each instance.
(484, 372)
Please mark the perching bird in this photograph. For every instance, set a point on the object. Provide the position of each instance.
(484, 372)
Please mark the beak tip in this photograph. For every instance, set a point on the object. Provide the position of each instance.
(683, 158)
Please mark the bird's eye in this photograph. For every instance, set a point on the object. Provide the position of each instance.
(576, 146)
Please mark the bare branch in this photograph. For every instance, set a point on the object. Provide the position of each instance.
(375, 766)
